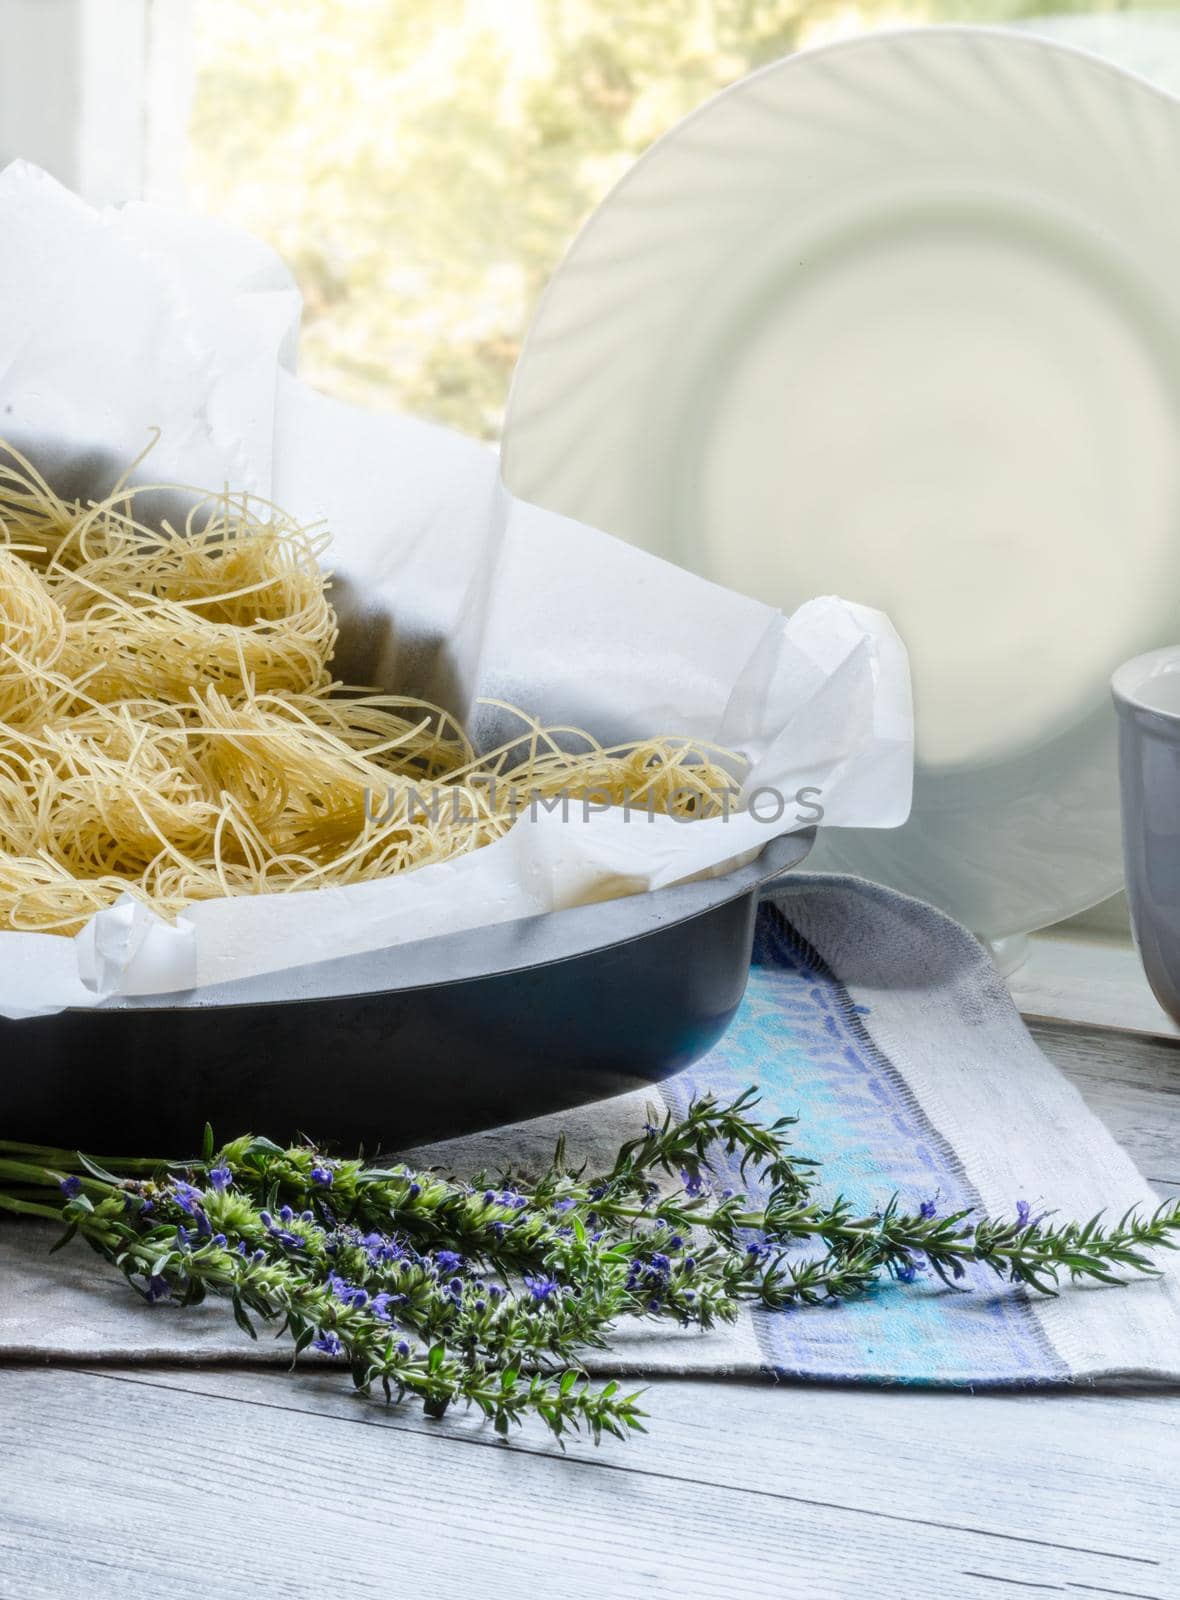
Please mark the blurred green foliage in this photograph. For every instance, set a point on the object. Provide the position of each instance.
(422, 164)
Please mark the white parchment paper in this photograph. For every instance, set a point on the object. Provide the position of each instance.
(116, 323)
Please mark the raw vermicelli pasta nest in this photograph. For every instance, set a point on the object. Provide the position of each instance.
(170, 726)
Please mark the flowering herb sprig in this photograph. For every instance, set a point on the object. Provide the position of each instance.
(486, 1291)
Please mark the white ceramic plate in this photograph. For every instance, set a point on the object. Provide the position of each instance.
(900, 319)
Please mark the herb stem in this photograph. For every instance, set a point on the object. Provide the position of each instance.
(28, 1208)
(49, 1155)
(486, 1292)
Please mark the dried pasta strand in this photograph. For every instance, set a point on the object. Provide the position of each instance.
(170, 726)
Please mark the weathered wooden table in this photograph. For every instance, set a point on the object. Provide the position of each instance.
(145, 1482)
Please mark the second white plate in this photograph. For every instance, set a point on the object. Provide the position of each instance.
(900, 319)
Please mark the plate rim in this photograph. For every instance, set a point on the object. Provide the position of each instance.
(872, 40)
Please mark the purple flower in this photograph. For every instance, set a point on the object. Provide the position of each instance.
(541, 1289)
(183, 1237)
(414, 1191)
(381, 1249)
(284, 1236)
(159, 1289)
(186, 1197)
(566, 1203)
(349, 1294)
(328, 1342)
(220, 1178)
(928, 1209)
(650, 1274)
(322, 1175)
(190, 1202)
(909, 1270)
(1023, 1214)
(693, 1183)
(71, 1187)
(403, 1348)
(447, 1261)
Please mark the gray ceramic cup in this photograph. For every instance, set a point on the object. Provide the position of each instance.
(1147, 699)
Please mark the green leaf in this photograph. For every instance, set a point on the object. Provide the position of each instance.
(260, 1146)
(95, 1171)
(438, 1354)
(207, 1145)
(242, 1320)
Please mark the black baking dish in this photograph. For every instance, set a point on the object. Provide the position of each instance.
(425, 1040)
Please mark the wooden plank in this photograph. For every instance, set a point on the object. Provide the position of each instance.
(818, 1491)
(1133, 1084)
(1095, 982)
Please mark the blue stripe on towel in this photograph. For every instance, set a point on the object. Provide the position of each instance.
(801, 1038)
